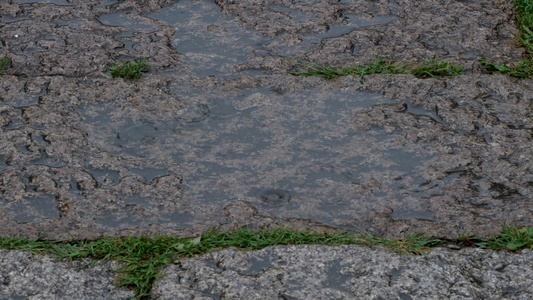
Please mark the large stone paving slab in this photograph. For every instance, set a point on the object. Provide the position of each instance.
(348, 272)
(393, 154)
(231, 38)
(29, 276)
(219, 135)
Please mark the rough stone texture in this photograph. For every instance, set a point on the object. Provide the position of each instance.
(218, 135)
(285, 272)
(84, 38)
(28, 276)
(349, 272)
(68, 38)
(354, 32)
(84, 158)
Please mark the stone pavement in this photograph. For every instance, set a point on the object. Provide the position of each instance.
(217, 134)
(287, 272)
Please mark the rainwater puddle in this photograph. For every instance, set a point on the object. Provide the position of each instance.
(420, 112)
(16, 120)
(146, 175)
(292, 155)
(353, 22)
(56, 2)
(129, 20)
(102, 176)
(25, 94)
(34, 209)
(212, 43)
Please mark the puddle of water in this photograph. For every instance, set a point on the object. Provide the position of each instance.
(16, 120)
(56, 2)
(8, 20)
(353, 22)
(137, 200)
(34, 209)
(103, 175)
(27, 94)
(126, 19)
(289, 155)
(420, 112)
(73, 23)
(112, 221)
(136, 214)
(335, 278)
(176, 220)
(131, 22)
(295, 14)
(212, 43)
(44, 160)
(146, 175)
(256, 266)
(406, 214)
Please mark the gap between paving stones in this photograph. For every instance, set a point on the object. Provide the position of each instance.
(142, 258)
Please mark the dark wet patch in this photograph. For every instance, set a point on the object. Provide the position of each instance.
(194, 112)
(33, 209)
(104, 176)
(335, 278)
(128, 218)
(254, 139)
(275, 197)
(211, 42)
(407, 214)
(148, 174)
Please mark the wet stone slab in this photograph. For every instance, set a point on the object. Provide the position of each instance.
(218, 135)
(393, 155)
(233, 38)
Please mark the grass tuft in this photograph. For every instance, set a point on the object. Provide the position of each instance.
(415, 244)
(524, 69)
(524, 16)
(510, 239)
(129, 69)
(142, 258)
(4, 63)
(427, 69)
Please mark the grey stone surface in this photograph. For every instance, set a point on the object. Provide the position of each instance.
(349, 272)
(285, 272)
(84, 158)
(218, 135)
(31, 276)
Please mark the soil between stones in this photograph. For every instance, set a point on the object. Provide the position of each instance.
(83, 156)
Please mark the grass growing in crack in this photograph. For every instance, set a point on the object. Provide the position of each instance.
(510, 239)
(4, 62)
(524, 69)
(431, 68)
(142, 258)
(129, 69)
(524, 12)
(415, 244)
